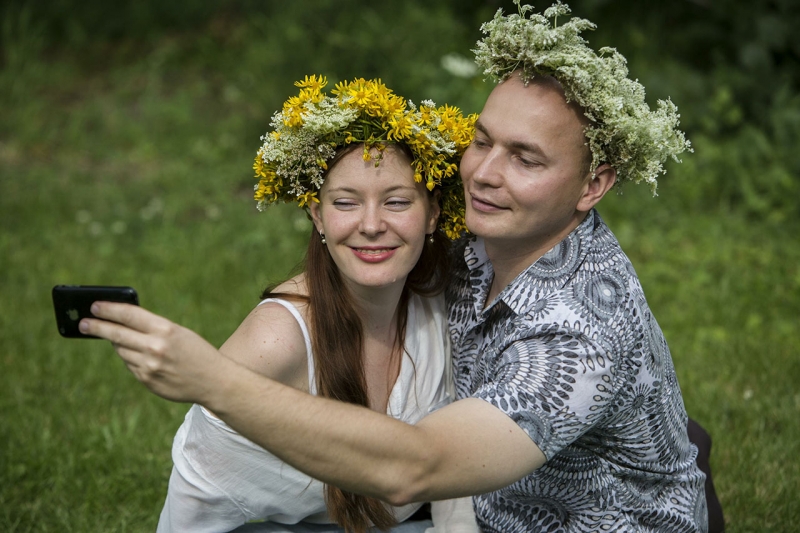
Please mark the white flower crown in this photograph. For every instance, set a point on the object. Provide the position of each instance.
(623, 132)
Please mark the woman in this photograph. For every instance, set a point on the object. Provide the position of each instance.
(359, 324)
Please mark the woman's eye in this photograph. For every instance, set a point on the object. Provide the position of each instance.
(398, 203)
(344, 204)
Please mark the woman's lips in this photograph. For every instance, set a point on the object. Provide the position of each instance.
(373, 254)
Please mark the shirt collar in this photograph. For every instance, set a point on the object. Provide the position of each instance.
(549, 273)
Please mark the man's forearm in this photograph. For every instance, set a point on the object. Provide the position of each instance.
(466, 448)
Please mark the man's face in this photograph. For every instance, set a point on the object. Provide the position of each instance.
(526, 170)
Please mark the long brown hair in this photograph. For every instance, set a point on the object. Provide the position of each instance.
(337, 345)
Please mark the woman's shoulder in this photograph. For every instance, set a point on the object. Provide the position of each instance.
(294, 292)
(293, 287)
(271, 340)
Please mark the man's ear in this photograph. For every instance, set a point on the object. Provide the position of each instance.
(596, 187)
(316, 216)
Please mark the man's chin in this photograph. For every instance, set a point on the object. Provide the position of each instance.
(488, 227)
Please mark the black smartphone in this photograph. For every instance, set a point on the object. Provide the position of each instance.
(73, 302)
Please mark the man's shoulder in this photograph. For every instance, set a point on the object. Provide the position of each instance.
(586, 268)
(598, 243)
(599, 295)
(604, 262)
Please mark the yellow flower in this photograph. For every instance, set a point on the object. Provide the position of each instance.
(361, 96)
(426, 117)
(307, 197)
(341, 89)
(379, 88)
(312, 82)
(292, 111)
(394, 105)
(267, 192)
(292, 104)
(311, 95)
(258, 165)
(399, 127)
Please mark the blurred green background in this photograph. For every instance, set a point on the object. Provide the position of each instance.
(127, 132)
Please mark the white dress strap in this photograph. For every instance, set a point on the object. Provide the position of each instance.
(289, 306)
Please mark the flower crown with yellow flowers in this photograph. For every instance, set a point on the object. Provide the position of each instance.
(623, 131)
(306, 133)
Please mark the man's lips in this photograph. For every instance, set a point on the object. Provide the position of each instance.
(483, 204)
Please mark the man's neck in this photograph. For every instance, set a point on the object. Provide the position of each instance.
(510, 258)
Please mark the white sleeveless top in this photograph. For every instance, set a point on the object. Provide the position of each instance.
(221, 480)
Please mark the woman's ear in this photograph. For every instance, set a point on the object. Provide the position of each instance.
(433, 221)
(316, 216)
(596, 187)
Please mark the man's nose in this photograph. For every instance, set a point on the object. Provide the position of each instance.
(489, 170)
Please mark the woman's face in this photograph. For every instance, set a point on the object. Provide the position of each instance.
(374, 218)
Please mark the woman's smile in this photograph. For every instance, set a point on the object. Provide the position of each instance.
(373, 254)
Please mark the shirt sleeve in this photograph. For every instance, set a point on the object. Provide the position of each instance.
(555, 384)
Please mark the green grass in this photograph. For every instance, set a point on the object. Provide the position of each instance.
(133, 167)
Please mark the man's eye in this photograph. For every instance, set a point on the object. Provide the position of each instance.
(530, 163)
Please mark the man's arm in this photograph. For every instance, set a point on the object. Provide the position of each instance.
(469, 447)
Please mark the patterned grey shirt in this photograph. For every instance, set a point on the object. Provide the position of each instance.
(571, 352)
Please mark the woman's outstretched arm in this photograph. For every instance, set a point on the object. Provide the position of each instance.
(468, 447)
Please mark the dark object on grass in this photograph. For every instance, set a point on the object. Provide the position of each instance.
(701, 439)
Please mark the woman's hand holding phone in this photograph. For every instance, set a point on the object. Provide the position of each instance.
(170, 360)
(72, 303)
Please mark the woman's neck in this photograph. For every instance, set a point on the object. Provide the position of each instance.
(377, 307)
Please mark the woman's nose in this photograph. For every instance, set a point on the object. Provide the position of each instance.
(372, 223)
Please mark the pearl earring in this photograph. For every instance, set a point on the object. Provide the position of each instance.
(430, 238)
(323, 238)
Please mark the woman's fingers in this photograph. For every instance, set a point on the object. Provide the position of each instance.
(133, 359)
(120, 335)
(133, 316)
(170, 360)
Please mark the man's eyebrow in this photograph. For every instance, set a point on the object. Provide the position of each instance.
(522, 146)
(479, 126)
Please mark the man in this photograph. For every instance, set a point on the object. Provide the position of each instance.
(569, 415)
(551, 327)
